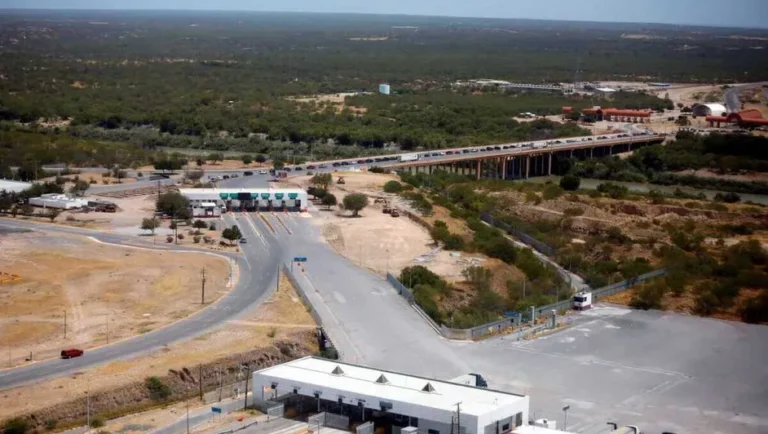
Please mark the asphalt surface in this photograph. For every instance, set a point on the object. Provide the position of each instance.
(732, 102)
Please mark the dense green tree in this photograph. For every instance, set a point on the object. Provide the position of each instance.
(355, 202)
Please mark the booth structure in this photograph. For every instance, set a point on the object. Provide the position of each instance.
(210, 202)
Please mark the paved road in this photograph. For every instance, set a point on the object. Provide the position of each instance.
(732, 102)
(257, 278)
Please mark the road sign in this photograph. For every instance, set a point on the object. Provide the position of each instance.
(216, 409)
(300, 259)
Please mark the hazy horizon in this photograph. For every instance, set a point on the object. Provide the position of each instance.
(736, 13)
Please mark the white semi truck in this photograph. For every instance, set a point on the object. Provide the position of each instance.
(472, 379)
(410, 157)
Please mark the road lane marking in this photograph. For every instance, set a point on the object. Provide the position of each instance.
(282, 223)
(253, 226)
(266, 222)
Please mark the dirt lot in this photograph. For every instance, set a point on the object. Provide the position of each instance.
(103, 289)
(335, 100)
(91, 178)
(280, 318)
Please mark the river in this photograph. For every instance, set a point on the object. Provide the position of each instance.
(591, 184)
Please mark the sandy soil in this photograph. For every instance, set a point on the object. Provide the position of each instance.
(687, 94)
(335, 99)
(276, 319)
(108, 292)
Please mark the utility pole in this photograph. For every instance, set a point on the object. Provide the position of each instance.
(202, 281)
(458, 417)
(245, 397)
(65, 323)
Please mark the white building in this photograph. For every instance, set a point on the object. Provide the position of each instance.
(384, 89)
(605, 91)
(209, 202)
(364, 393)
(60, 201)
(13, 186)
(709, 110)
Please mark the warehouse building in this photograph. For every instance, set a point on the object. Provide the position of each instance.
(58, 201)
(13, 186)
(210, 202)
(404, 403)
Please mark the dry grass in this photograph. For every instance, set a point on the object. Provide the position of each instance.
(101, 287)
(280, 318)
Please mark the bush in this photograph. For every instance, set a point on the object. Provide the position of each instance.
(614, 191)
(393, 187)
(196, 239)
(158, 391)
(552, 192)
(377, 169)
(51, 424)
(727, 197)
(97, 422)
(16, 425)
(454, 242)
(212, 226)
(573, 212)
(181, 236)
(169, 239)
(648, 296)
(570, 182)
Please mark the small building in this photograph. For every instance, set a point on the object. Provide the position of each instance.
(384, 89)
(13, 186)
(709, 110)
(605, 91)
(59, 201)
(203, 201)
(389, 398)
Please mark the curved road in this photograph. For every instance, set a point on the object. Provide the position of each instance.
(258, 273)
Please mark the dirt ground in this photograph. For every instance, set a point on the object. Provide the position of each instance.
(91, 178)
(276, 319)
(335, 99)
(108, 293)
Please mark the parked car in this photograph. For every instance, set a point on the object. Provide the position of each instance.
(262, 172)
(247, 173)
(298, 168)
(225, 177)
(323, 166)
(311, 167)
(243, 240)
(70, 353)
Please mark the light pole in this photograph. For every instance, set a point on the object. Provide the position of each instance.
(565, 417)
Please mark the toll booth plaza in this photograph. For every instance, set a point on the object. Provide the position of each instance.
(344, 395)
(245, 199)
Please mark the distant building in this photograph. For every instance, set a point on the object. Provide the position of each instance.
(605, 91)
(746, 118)
(709, 110)
(384, 89)
(13, 186)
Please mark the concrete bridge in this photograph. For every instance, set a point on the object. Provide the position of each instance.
(522, 161)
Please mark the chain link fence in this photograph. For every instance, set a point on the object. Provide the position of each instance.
(542, 248)
(519, 319)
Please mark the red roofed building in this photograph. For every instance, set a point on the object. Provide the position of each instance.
(614, 114)
(747, 118)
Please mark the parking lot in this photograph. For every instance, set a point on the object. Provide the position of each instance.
(657, 370)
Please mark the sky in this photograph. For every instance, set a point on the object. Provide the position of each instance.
(728, 13)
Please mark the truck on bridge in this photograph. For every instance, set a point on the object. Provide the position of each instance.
(410, 157)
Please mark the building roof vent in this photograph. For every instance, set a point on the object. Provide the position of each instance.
(428, 388)
(382, 379)
(337, 370)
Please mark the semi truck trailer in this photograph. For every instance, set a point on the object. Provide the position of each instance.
(410, 157)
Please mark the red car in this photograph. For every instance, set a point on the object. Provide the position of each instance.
(72, 352)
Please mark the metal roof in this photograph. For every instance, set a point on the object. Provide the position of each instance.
(13, 186)
(359, 380)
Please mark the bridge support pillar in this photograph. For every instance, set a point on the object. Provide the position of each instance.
(503, 167)
(477, 171)
(549, 165)
(429, 169)
(527, 165)
(590, 152)
(610, 149)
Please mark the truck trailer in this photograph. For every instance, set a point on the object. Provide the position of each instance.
(410, 157)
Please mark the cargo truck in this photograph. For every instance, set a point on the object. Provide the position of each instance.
(472, 379)
(409, 157)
